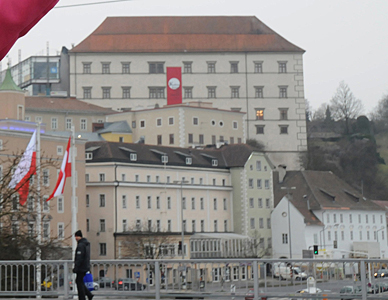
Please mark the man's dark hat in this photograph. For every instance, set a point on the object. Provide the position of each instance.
(78, 233)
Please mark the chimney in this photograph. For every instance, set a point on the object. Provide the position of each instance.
(282, 172)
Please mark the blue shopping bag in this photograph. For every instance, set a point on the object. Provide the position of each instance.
(88, 280)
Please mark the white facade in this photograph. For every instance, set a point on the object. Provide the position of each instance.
(147, 193)
(273, 100)
(346, 227)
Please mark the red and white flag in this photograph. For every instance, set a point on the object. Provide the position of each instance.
(20, 180)
(65, 172)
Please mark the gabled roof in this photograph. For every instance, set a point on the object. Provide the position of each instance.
(51, 104)
(323, 190)
(119, 126)
(184, 34)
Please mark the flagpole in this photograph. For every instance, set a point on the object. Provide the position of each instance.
(73, 185)
(38, 211)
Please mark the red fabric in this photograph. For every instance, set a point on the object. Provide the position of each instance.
(23, 187)
(174, 88)
(17, 17)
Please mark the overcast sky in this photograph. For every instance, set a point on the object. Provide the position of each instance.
(343, 39)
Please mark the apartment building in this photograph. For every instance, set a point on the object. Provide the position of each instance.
(185, 125)
(237, 63)
(137, 186)
(251, 173)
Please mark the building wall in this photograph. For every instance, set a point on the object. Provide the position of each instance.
(61, 117)
(353, 226)
(139, 80)
(223, 125)
(280, 221)
(12, 105)
(125, 183)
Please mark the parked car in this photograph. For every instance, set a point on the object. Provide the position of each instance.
(105, 282)
(130, 284)
(381, 273)
(251, 294)
(312, 291)
(350, 290)
(382, 286)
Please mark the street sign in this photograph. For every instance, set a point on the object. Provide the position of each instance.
(308, 253)
(137, 274)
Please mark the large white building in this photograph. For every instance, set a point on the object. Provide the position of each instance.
(318, 208)
(237, 63)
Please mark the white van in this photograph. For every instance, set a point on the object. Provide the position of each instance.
(286, 272)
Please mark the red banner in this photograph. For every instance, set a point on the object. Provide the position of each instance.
(174, 85)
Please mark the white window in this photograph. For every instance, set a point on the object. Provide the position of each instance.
(157, 202)
(266, 184)
(46, 206)
(124, 201)
(46, 230)
(59, 150)
(215, 203)
(46, 176)
(83, 124)
(102, 200)
(61, 231)
(125, 225)
(137, 202)
(284, 238)
(258, 165)
(149, 204)
(168, 202)
(133, 156)
(202, 204)
(69, 123)
(102, 176)
(60, 204)
(251, 203)
(225, 204)
(102, 225)
(189, 160)
(252, 222)
(87, 200)
(193, 203)
(54, 123)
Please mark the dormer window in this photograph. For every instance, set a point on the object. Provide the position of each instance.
(88, 155)
(189, 160)
(164, 159)
(214, 162)
(133, 157)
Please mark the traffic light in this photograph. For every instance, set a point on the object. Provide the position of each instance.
(179, 246)
(315, 249)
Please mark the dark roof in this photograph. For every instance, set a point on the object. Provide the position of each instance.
(228, 156)
(146, 154)
(324, 190)
(184, 34)
(51, 104)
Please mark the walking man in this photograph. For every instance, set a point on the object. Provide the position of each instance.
(82, 265)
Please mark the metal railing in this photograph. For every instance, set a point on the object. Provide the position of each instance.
(203, 278)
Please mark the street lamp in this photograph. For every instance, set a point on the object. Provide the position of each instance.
(289, 217)
(181, 182)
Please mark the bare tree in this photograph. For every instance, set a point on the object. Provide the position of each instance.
(18, 236)
(345, 106)
(320, 112)
(255, 246)
(380, 114)
(143, 242)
